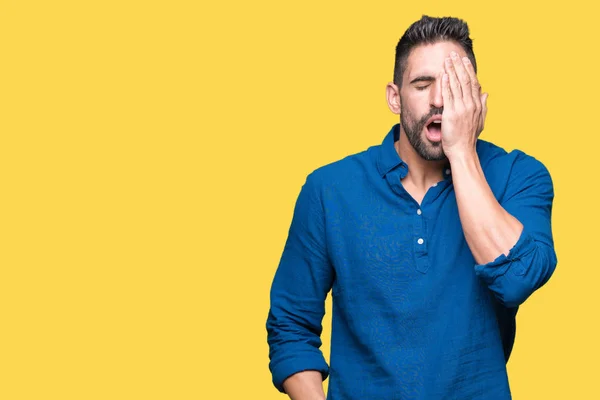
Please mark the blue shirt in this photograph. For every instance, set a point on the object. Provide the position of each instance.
(414, 316)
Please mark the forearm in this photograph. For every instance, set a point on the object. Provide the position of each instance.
(300, 286)
(305, 385)
(489, 229)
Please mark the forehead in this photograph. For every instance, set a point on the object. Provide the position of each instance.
(428, 59)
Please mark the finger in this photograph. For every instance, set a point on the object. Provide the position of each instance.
(447, 93)
(463, 78)
(453, 82)
(483, 99)
(475, 86)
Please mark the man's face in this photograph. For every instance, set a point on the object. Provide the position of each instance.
(421, 97)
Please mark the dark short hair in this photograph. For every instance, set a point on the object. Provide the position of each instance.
(429, 30)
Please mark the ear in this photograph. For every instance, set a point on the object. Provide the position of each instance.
(392, 93)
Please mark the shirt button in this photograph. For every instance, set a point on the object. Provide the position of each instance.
(447, 172)
(419, 211)
(420, 241)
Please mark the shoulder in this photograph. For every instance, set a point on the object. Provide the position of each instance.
(343, 171)
(496, 160)
(511, 172)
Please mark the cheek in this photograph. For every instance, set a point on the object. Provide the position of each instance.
(416, 106)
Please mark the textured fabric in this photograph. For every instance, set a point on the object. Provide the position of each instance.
(414, 316)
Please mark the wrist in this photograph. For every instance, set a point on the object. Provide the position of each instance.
(458, 157)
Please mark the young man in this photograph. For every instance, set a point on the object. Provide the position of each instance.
(429, 243)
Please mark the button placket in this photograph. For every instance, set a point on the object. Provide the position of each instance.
(420, 235)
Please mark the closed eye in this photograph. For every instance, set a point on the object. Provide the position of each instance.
(422, 82)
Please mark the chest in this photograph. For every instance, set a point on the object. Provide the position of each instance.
(398, 247)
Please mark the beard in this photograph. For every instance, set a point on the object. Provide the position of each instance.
(430, 151)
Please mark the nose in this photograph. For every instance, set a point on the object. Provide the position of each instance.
(436, 99)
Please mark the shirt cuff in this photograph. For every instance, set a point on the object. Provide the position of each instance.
(504, 264)
(289, 366)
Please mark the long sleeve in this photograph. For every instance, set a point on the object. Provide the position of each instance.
(300, 286)
(532, 260)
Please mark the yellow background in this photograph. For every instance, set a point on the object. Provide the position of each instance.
(151, 153)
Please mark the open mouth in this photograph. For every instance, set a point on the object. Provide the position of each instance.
(435, 128)
(434, 131)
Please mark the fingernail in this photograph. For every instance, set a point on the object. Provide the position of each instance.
(466, 60)
(453, 55)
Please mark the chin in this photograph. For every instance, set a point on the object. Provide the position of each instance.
(434, 152)
(435, 157)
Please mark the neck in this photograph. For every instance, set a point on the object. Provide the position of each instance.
(422, 173)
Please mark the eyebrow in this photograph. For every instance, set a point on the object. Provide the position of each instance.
(423, 78)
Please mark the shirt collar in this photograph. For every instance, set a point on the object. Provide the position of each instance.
(388, 156)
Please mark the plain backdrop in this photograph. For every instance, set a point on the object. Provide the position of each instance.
(151, 153)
